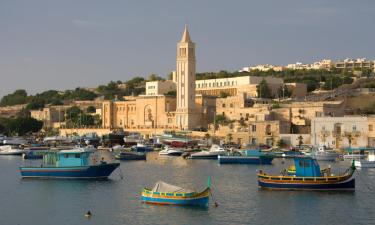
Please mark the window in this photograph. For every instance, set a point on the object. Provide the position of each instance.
(323, 128)
(77, 156)
(169, 120)
(253, 128)
(223, 105)
(318, 114)
(253, 141)
(304, 164)
(370, 127)
(354, 127)
(66, 156)
(231, 105)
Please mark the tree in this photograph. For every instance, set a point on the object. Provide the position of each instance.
(207, 137)
(91, 109)
(230, 137)
(171, 93)
(170, 76)
(284, 92)
(154, 77)
(80, 94)
(242, 122)
(221, 120)
(36, 103)
(263, 90)
(281, 143)
(300, 141)
(16, 98)
(223, 94)
(23, 125)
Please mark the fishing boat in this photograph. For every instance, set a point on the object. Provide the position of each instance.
(142, 148)
(73, 163)
(246, 157)
(323, 153)
(167, 194)
(368, 162)
(127, 155)
(11, 150)
(34, 154)
(308, 176)
(171, 151)
(213, 153)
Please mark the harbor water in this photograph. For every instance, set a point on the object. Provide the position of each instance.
(117, 201)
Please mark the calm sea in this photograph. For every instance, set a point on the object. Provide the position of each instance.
(116, 201)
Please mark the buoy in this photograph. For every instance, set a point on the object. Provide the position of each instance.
(88, 214)
(216, 204)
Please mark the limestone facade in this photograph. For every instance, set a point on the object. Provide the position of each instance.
(340, 132)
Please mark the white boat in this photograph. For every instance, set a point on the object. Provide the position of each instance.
(323, 153)
(14, 140)
(354, 156)
(11, 150)
(171, 151)
(368, 162)
(213, 153)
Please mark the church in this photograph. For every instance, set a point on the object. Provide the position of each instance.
(185, 111)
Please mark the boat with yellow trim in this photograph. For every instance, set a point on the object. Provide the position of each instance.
(308, 176)
(167, 194)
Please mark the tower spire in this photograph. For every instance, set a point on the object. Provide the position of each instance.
(185, 35)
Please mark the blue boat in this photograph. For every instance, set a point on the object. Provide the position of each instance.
(74, 163)
(247, 157)
(308, 176)
(34, 154)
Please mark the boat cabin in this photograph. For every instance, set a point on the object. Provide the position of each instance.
(307, 167)
(67, 158)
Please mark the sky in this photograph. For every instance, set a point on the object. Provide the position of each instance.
(54, 44)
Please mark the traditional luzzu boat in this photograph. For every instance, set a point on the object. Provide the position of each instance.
(308, 176)
(73, 163)
(167, 194)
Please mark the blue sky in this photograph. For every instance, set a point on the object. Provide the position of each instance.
(48, 44)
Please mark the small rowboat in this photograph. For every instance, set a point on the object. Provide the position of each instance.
(167, 194)
(308, 176)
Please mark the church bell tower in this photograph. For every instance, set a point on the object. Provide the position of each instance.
(186, 115)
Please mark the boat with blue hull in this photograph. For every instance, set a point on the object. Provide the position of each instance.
(74, 163)
(308, 176)
(167, 194)
(246, 157)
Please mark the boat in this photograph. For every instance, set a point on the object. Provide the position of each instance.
(34, 154)
(167, 194)
(16, 141)
(171, 151)
(368, 162)
(323, 153)
(213, 153)
(79, 162)
(127, 155)
(142, 148)
(246, 157)
(11, 150)
(308, 176)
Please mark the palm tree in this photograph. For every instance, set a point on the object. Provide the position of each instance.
(207, 136)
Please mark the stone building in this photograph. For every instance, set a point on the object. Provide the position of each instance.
(340, 132)
(155, 110)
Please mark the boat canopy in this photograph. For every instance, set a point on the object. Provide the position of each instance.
(307, 167)
(161, 186)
